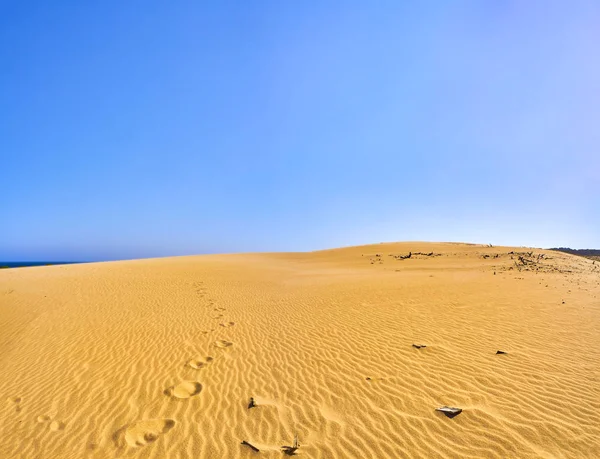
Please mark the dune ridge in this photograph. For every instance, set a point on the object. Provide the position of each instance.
(159, 358)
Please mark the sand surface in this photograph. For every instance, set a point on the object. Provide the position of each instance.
(159, 358)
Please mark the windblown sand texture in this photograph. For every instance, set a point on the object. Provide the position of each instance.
(159, 358)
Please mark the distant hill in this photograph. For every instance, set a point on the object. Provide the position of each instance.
(594, 254)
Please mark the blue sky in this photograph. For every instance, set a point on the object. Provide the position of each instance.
(139, 129)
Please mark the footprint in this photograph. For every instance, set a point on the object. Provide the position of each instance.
(227, 324)
(197, 364)
(222, 343)
(43, 418)
(143, 432)
(186, 389)
(218, 317)
(55, 426)
(15, 400)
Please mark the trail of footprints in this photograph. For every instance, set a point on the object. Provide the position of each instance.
(144, 432)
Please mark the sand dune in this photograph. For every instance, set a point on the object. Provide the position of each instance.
(159, 358)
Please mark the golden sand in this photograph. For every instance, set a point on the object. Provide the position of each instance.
(159, 358)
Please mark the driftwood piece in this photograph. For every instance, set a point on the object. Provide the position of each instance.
(291, 450)
(419, 346)
(501, 352)
(252, 447)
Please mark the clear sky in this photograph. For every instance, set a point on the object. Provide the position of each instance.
(141, 128)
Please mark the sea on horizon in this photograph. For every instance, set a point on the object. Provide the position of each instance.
(24, 264)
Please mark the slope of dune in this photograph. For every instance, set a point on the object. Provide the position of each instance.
(159, 358)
